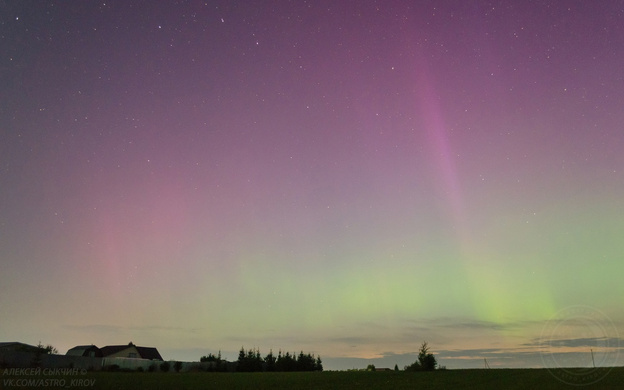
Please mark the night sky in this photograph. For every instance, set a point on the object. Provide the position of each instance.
(346, 178)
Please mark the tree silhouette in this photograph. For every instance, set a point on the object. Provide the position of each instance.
(306, 362)
(427, 360)
(215, 363)
(241, 366)
(413, 367)
(318, 366)
(270, 361)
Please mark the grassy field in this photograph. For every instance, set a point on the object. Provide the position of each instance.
(449, 379)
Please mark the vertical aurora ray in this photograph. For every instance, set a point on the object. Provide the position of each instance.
(493, 282)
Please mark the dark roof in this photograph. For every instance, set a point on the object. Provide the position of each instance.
(149, 353)
(144, 352)
(83, 350)
(112, 349)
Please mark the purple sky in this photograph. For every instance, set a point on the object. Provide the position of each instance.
(349, 178)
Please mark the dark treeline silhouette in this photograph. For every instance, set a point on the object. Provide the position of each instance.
(216, 363)
(252, 361)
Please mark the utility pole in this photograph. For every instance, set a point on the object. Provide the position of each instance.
(486, 363)
(592, 353)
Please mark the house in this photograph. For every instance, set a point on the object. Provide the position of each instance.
(15, 354)
(14, 346)
(85, 350)
(131, 351)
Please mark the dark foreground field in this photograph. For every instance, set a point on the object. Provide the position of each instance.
(449, 379)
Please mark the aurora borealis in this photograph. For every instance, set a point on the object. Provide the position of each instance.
(345, 178)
